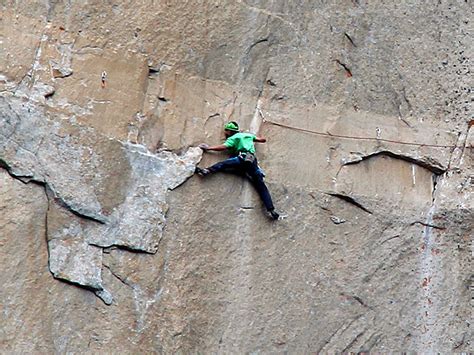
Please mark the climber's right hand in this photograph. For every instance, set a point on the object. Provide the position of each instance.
(204, 146)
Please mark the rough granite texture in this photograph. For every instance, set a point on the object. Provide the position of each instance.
(108, 244)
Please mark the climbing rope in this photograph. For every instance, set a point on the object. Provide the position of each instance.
(342, 136)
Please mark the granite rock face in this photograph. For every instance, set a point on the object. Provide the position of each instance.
(102, 193)
(109, 245)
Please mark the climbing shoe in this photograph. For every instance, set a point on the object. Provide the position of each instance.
(274, 215)
(202, 172)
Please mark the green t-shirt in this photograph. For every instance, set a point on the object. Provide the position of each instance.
(241, 142)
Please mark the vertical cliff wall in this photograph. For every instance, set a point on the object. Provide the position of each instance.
(110, 244)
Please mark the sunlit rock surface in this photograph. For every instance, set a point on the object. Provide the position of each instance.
(110, 245)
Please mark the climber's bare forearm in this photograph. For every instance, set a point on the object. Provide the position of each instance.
(216, 148)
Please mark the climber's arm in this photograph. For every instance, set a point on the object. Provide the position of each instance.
(259, 139)
(219, 147)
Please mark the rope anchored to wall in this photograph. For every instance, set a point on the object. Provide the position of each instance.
(343, 136)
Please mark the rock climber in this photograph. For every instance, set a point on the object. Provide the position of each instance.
(243, 161)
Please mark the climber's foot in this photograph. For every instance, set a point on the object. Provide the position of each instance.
(202, 172)
(274, 215)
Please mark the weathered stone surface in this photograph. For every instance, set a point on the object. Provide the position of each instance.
(369, 154)
(76, 261)
(120, 186)
(71, 258)
(138, 223)
(65, 318)
(414, 188)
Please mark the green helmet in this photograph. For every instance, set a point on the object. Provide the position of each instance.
(232, 126)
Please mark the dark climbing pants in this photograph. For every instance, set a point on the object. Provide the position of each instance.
(252, 171)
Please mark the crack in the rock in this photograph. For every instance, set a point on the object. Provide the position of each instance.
(451, 156)
(152, 71)
(76, 284)
(345, 350)
(346, 68)
(390, 238)
(350, 39)
(461, 136)
(127, 248)
(25, 179)
(37, 57)
(460, 343)
(405, 98)
(49, 95)
(255, 43)
(372, 343)
(257, 110)
(350, 200)
(172, 188)
(356, 298)
(428, 225)
(436, 178)
(385, 227)
(398, 102)
(299, 35)
(30, 179)
(367, 278)
(425, 164)
(362, 303)
(344, 327)
(50, 195)
(98, 289)
(121, 279)
(246, 59)
(46, 226)
(211, 116)
(63, 204)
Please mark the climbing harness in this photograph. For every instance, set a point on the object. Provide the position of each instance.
(247, 157)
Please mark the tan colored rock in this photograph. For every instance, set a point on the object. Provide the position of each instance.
(371, 178)
(18, 57)
(369, 154)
